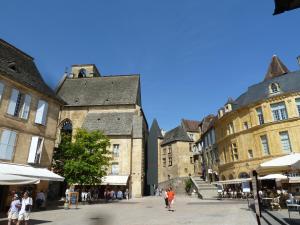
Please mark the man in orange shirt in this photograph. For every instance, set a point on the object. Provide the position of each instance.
(171, 196)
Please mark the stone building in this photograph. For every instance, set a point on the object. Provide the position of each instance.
(111, 104)
(260, 124)
(175, 152)
(209, 150)
(29, 112)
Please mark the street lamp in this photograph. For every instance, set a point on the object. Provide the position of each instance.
(298, 60)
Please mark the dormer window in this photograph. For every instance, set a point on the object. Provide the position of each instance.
(12, 66)
(274, 88)
(82, 73)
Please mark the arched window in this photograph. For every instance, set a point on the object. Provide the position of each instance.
(66, 127)
(82, 73)
(274, 88)
(244, 175)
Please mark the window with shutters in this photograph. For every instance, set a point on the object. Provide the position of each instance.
(7, 145)
(36, 149)
(115, 168)
(170, 161)
(41, 112)
(279, 111)
(19, 104)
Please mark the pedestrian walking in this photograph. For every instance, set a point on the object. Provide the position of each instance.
(171, 197)
(127, 194)
(25, 208)
(165, 196)
(40, 199)
(13, 212)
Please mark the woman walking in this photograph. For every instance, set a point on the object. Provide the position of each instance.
(171, 197)
(13, 212)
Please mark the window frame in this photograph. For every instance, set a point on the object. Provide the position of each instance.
(44, 116)
(260, 115)
(265, 138)
(116, 154)
(13, 146)
(279, 111)
(288, 141)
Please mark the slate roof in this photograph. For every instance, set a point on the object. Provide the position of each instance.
(207, 122)
(109, 90)
(155, 130)
(25, 72)
(176, 134)
(288, 83)
(115, 123)
(190, 125)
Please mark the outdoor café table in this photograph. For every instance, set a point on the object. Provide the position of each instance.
(293, 208)
(266, 201)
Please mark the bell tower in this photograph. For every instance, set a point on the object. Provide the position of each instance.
(84, 71)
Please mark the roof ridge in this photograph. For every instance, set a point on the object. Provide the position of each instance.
(15, 49)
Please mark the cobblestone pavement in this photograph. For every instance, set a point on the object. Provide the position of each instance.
(150, 211)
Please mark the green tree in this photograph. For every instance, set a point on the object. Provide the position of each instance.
(84, 160)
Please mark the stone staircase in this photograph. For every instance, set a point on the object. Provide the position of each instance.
(206, 190)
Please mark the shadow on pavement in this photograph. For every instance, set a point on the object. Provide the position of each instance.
(31, 222)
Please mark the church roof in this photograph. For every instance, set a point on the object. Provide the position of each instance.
(108, 90)
(176, 134)
(20, 67)
(115, 123)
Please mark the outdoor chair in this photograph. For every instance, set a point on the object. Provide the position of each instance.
(275, 204)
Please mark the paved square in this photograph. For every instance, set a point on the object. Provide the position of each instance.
(151, 211)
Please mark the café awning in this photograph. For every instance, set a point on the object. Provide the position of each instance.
(280, 164)
(115, 180)
(6, 179)
(28, 173)
(233, 181)
(273, 177)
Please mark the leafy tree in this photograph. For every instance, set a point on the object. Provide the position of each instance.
(84, 160)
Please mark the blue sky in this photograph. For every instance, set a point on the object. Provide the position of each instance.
(192, 55)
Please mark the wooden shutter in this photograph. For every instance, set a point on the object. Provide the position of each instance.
(8, 139)
(26, 107)
(41, 113)
(13, 102)
(33, 149)
(45, 113)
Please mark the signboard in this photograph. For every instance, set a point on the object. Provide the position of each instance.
(73, 196)
(246, 187)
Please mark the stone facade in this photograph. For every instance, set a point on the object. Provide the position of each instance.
(29, 111)
(176, 153)
(123, 122)
(261, 124)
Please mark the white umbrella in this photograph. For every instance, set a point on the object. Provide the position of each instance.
(275, 176)
(283, 163)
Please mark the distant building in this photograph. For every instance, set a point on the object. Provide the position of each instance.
(208, 149)
(260, 124)
(29, 112)
(175, 152)
(111, 104)
(154, 139)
